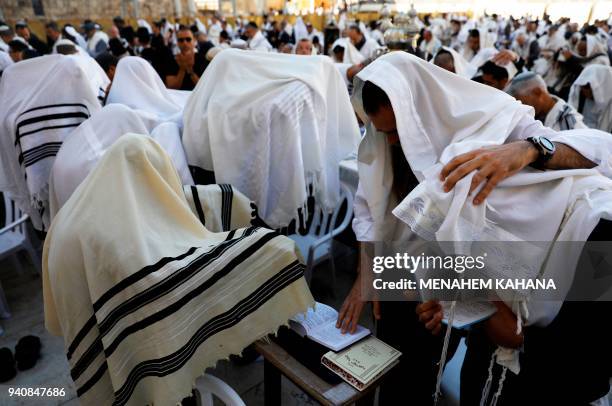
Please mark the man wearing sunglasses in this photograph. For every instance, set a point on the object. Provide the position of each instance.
(188, 65)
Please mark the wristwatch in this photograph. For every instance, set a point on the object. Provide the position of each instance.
(546, 149)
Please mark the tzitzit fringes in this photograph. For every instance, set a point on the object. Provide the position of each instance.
(442, 362)
(487, 386)
(499, 388)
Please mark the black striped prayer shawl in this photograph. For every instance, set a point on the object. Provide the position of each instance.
(145, 296)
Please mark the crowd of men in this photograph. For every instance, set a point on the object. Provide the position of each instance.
(248, 115)
(542, 58)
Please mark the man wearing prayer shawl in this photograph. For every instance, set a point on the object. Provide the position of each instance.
(44, 99)
(449, 59)
(530, 89)
(419, 129)
(591, 94)
(154, 298)
(257, 41)
(276, 131)
(365, 45)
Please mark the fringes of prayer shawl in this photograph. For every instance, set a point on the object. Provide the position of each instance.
(173, 319)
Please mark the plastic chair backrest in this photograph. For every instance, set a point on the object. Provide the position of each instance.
(325, 223)
(12, 213)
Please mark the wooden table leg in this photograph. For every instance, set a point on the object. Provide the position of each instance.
(272, 385)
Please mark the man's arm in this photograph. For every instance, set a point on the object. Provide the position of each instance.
(175, 81)
(494, 164)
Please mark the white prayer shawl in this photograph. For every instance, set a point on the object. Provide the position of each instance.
(5, 61)
(145, 297)
(92, 42)
(595, 47)
(462, 67)
(43, 100)
(220, 207)
(485, 55)
(369, 48)
(97, 77)
(431, 48)
(599, 77)
(280, 126)
(259, 43)
(214, 32)
(435, 125)
(351, 56)
(201, 26)
(143, 23)
(563, 117)
(86, 145)
(78, 37)
(138, 86)
(300, 30)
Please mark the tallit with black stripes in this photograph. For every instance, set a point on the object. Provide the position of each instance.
(221, 207)
(144, 295)
(43, 100)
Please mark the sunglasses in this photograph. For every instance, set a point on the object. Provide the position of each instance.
(188, 39)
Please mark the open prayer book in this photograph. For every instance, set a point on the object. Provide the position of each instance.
(320, 326)
(467, 313)
(362, 363)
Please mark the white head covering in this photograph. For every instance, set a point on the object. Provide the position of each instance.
(273, 129)
(596, 47)
(462, 67)
(137, 85)
(200, 25)
(43, 100)
(78, 37)
(485, 55)
(434, 115)
(86, 145)
(300, 30)
(351, 53)
(145, 297)
(143, 23)
(435, 124)
(97, 77)
(600, 79)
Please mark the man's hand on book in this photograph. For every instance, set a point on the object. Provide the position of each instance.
(430, 314)
(350, 312)
(501, 327)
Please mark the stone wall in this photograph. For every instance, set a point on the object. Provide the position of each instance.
(94, 9)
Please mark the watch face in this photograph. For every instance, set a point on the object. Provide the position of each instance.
(546, 143)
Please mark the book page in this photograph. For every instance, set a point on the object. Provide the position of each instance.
(332, 337)
(321, 314)
(468, 313)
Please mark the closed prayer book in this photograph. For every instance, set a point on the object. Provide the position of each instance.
(363, 363)
(319, 325)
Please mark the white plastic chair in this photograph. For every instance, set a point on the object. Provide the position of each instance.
(316, 245)
(209, 385)
(14, 238)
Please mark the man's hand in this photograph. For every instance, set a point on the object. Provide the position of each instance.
(348, 317)
(493, 164)
(504, 57)
(501, 327)
(430, 313)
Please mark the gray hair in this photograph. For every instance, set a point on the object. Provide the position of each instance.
(525, 83)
